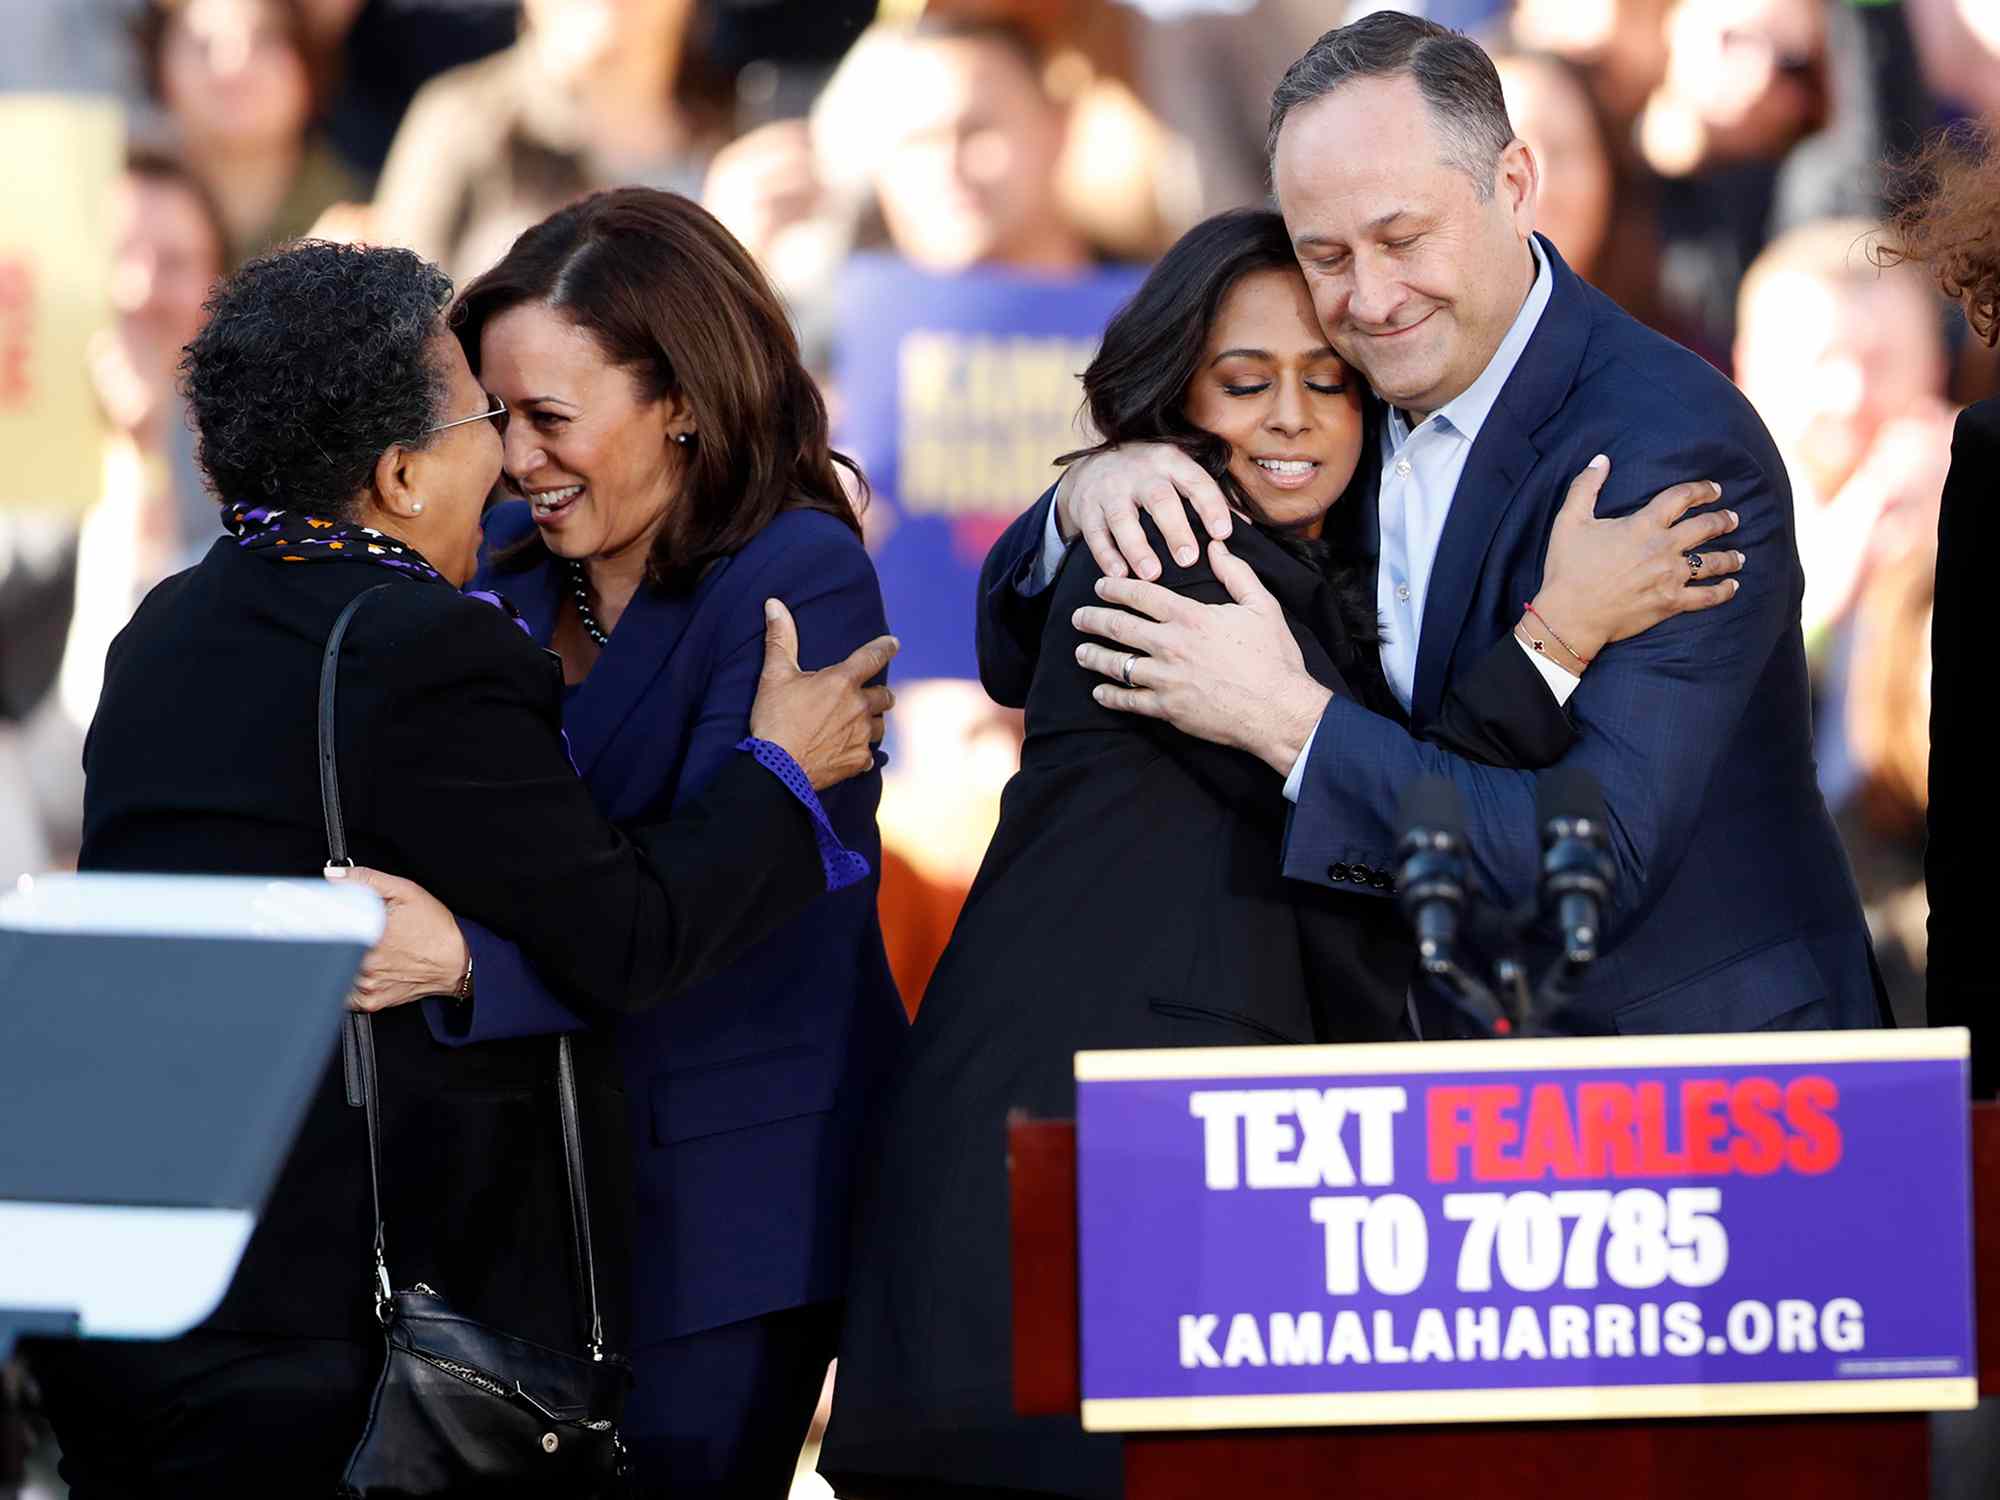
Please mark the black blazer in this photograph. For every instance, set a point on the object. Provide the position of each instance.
(1131, 897)
(1964, 803)
(453, 773)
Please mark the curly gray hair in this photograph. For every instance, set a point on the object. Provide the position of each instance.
(314, 360)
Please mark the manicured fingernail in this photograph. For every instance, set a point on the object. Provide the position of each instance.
(1148, 569)
(1076, 619)
(1099, 588)
(1185, 556)
(770, 609)
(1079, 656)
(1097, 693)
(1716, 487)
(335, 872)
(1219, 528)
(1739, 559)
(1599, 462)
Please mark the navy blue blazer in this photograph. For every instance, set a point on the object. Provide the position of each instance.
(747, 1091)
(1735, 908)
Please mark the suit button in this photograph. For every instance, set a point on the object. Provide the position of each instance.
(1362, 875)
(1336, 872)
(1382, 882)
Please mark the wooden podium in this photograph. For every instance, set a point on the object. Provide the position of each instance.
(1883, 1457)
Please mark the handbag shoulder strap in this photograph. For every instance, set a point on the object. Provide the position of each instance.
(329, 773)
(358, 1038)
(579, 1197)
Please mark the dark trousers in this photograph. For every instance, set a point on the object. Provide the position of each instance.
(206, 1414)
(724, 1412)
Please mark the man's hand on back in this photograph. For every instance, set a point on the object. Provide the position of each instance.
(1229, 673)
(1101, 497)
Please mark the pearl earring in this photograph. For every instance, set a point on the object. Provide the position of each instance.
(683, 438)
(417, 509)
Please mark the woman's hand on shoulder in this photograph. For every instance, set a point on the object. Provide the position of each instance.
(1102, 495)
(1608, 580)
(828, 721)
(421, 952)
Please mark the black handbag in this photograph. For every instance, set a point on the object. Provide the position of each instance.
(462, 1408)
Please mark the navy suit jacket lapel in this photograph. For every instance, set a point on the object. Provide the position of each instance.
(642, 644)
(1495, 470)
(640, 648)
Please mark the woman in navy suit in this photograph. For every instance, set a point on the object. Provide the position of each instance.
(673, 462)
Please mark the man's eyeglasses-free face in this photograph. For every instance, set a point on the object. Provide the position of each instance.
(496, 414)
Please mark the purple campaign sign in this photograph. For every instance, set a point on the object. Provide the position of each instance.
(1592, 1227)
(957, 394)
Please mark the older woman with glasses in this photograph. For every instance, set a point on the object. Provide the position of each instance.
(354, 453)
(672, 461)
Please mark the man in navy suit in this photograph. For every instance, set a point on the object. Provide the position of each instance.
(1411, 204)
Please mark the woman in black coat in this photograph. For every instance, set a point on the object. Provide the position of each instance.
(352, 448)
(1964, 817)
(1114, 818)
(1951, 224)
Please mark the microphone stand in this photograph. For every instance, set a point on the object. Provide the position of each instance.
(1514, 1005)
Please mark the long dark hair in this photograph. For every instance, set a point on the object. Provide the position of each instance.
(670, 295)
(1136, 387)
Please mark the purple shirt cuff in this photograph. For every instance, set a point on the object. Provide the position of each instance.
(843, 866)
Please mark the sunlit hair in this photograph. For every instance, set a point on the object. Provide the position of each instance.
(1949, 220)
(668, 294)
(1457, 79)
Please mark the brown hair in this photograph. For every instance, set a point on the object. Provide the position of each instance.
(1950, 220)
(155, 18)
(670, 295)
(156, 164)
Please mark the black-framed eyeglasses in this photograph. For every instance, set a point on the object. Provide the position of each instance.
(496, 414)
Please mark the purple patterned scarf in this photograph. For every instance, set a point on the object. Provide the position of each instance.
(298, 536)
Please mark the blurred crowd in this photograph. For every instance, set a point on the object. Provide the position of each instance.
(1719, 167)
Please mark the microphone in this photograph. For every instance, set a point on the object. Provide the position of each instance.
(1576, 857)
(1430, 868)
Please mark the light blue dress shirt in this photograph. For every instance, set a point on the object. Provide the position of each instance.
(1421, 468)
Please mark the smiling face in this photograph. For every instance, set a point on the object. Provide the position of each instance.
(1745, 67)
(595, 457)
(231, 74)
(165, 256)
(1414, 278)
(970, 177)
(1828, 361)
(1272, 388)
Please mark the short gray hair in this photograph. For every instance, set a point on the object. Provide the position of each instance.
(1453, 73)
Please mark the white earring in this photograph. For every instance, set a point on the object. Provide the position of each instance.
(417, 508)
(683, 438)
